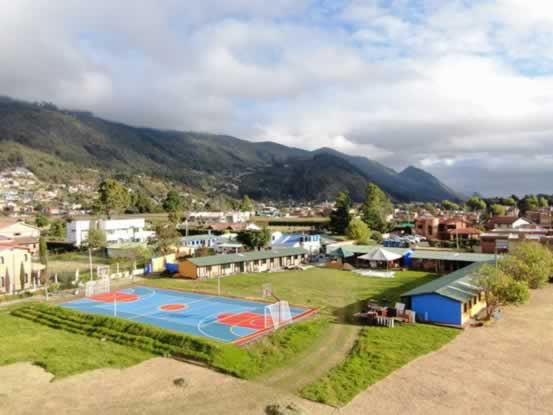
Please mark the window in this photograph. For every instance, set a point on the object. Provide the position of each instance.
(465, 307)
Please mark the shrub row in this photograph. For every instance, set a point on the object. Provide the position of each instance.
(263, 355)
(226, 358)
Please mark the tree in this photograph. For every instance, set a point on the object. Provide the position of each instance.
(57, 229)
(141, 202)
(43, 251)
(476, 203)
(538, 262)
(246, 205)
(114, 197)
(543, 202)
(175, 217)
(22, 275)
(340, 216)
(448, 205)
(254, 239)
(96, 237)
(173, 202)
(358, 231)
(41, 220)
(167, 236)
(509, 201)
(528, 203)
(497, 210)
(376, 208)
(499, 288)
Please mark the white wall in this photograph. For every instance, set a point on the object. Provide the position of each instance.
(117, 230)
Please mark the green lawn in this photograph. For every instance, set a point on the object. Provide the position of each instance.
(378, 352)
(60, 352)
(324, 288)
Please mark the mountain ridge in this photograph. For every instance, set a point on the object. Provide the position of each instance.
(210, 162)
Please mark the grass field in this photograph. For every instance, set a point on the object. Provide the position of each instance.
(377, 353)
(59, 352)
(331, 290)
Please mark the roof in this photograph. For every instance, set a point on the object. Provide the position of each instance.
(405, 225)
(464, 231)
(459, 285)
(452, 256)
(504, 220)
(201, 237)
(352, 250)
(381, 254)
(246, 256)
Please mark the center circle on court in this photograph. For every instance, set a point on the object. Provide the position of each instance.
(173, 307)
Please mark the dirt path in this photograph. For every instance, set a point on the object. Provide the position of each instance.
(506, 368)
(328, 352)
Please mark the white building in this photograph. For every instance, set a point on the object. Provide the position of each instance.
(311, 243)
(118, 231)
(221, 217)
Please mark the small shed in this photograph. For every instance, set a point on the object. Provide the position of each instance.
(452, 299)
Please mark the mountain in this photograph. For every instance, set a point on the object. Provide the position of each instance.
(57, 144)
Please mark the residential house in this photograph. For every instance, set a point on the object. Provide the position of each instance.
(200, 241)
(506, 222)
(256, 261)
(503, 240)
(443, 228)
(16, 268)
(118, 231)
(24, 235)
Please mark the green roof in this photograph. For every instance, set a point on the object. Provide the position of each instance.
(246, 256)
(405, 225)
(459, 285)
(452, 256)
(348, 251)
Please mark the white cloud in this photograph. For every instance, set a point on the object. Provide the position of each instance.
(441, 84)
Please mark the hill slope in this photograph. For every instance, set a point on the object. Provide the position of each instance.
(52, 141)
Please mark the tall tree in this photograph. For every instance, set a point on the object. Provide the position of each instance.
(173, 202)
(167, 237)
(543, 202)
(535, 263)
(41, 220)
(499, 288)
(114, 197)
(22, 273)
(246, 205)
(358, 231)
(376, 208)
(476, 203)
(497, 210)
(254, 239)
(448, 205)
(341, 216)
(43, 251)
(509, 201)
(141, 202)
(529, 202)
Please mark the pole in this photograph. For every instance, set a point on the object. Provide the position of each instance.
(90, 264)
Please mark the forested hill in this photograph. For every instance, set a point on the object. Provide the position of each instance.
(54, 142)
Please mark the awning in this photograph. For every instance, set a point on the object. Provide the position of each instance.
(380, 254)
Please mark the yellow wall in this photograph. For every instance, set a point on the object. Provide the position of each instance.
(475, 308)
(10, 265)
(158, 264)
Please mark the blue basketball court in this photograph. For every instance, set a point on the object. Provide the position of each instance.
(228, 320)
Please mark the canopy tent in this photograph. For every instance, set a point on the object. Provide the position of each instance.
(381, 255)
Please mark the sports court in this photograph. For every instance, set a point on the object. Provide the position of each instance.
(228, 320)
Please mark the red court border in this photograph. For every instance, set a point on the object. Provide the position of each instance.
(251, 337)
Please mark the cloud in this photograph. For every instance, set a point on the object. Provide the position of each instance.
(463, 89)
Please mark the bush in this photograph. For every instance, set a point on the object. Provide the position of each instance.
(534, 265)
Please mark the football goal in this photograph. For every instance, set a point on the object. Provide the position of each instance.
(96, 287)
(277, 314)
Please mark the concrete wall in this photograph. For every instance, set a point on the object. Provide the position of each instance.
(10, 269)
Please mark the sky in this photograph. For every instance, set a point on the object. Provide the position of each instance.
(462, 89)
